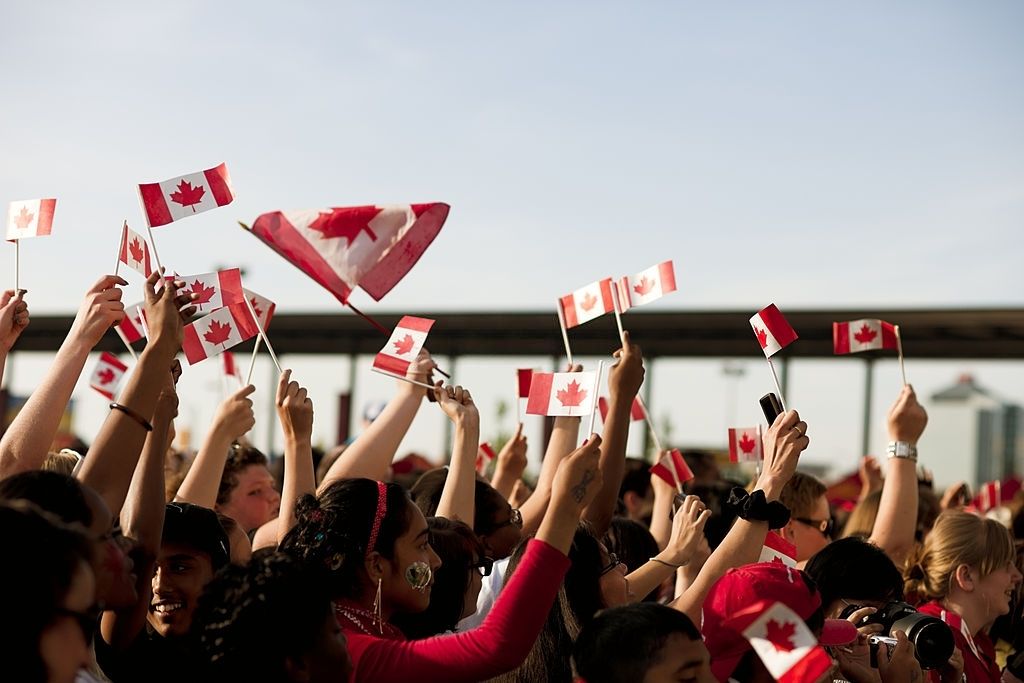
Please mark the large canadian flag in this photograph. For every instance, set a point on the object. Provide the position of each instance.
(215, 290)
(745, 444)
(562, 393)
(263, 307)
(372, 247)
(646, 286)
(777, 549)
(134, 251)
(863, 335)
(772, 330)
(403, 346)
(30, 218)
(587, 303)
(783, 641)
(672, 468)
(217, 332)
(636, 411)
(131, 324)
(107, 375)
(187, 195)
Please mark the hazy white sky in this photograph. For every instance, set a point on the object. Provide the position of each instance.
(804, 153)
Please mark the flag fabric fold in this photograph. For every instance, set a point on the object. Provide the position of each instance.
(403, 346)
(217, 332)
(772, 330)
(777, 549)
(587, 303)
(186, 195)
(562, 393)
(485, 454)
(745, 444)
(371, 247)
(646, 286)
(131, 324)
(30, 218)
(672, 468)
(214, 290)
(990, 496)
(107, 375)
(134, 252)
(263, 307)
(855, 336)
(782, 640)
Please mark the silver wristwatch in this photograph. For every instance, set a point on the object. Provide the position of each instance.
(902, 449)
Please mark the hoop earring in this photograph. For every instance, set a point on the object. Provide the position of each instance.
(377, 610)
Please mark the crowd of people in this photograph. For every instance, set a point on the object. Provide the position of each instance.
(131, 562)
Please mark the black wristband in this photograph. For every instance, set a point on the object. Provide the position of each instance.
(753, 507)
(133, 415)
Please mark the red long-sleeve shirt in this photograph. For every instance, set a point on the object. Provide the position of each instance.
(499, 644)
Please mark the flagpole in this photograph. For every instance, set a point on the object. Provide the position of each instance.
(384, 330)
(519, 409)
(142, 320)
(252, 363)
(618, 316)
(128, 346)
(152, 243)
(404, 379)
(650, 424)
(263, 334)
(899, 349)
(17, 265)
(565, 335)
(593, 407)
(124, 236)
(778, 387)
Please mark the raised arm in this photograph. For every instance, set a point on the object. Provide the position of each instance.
(783, 443)
(295, 410)
(896, 521)
(457, 496)
(511, 463)
(687, 532)
(27, 441)
(142, 521)
(624, 380)
(13, 319)
(564, 435)
(116, 448)
(234, 419)
(661, 512)
(371, 454)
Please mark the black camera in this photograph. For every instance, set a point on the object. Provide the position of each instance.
(931, 638)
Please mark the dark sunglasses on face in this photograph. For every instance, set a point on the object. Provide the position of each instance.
(484, 565)
(515, 518)
(613, 562)
(825, 526)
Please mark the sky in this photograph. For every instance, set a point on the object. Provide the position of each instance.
(814, 155)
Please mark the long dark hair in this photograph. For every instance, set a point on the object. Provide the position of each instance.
(333, 530)
(56, 493)
(487, 502)
(458, 547)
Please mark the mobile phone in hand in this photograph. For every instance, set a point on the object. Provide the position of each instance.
(772, 407)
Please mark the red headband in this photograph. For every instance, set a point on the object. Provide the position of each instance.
(382, 509)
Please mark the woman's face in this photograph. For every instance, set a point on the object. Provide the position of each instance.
(112, 567)
(507, 531)
(476, 581)
(613, 582)
(64, 645)
(254, 501)
(413, 546)
(994, 592)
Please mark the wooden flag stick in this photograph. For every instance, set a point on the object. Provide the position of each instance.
(565, 334)
(17, 265)
(618, 315)
(124, 234)
(263, 334)
(404, 379)
(778, 387)
(650, 425)
(377, 325)
(252, 363)
(519, 407)
(152, 243)
(142, 319)
(899, 350)
(593, 408)
(128, 346)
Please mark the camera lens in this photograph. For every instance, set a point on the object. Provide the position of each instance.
(932, 639)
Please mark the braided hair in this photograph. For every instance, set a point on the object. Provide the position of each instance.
(333, 530)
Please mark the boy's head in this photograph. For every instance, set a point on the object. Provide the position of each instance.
(810, 522)
(644, 642)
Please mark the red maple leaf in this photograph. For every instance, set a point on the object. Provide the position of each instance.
(24, 218)
(644, 286)
(136, 249)
(865, 334)
(780, 635)
(588, 301)
(347, 223)
(746, 443)
(572, 395)
(404, 346)
(762, 337)
(256, 307)
(105, 376)
(217, 333)
(205, 293)
(188, 195)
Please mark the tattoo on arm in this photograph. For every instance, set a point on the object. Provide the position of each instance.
(580, 489)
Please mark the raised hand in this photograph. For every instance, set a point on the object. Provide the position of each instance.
(419, 371)
(626, 376)
(578, 478)
(907, 417)
(100, 309)
(784, 441)
(13, 318)
(512, 455)
(235, 416)
(457, 403)
(294, 408)
(687, 530)
(870, 473)
(167, 310)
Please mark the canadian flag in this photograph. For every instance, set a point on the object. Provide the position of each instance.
(745, 444)
(636, 411)
(131, 325)
(990, 496)
(587, 303)
(263, 307)
(772, 330)
(30, 218)
(372, 247)
(214, 290)
(217, 332)
(187, 195)
(405, 343)
(646, 286)
(777, 549)
(230, 369)
(523, 378)
(562, 393)
(134, 251)
(783, 641)
(672, 468)
(863, 335)
(107, 375)
(485, 454)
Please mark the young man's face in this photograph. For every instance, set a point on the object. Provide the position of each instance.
(807, 535)
(681, 660)
(181, 574)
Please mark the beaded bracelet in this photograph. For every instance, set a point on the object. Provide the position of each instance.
(133, 415)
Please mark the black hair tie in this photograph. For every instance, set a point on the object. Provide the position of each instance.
(753, 507)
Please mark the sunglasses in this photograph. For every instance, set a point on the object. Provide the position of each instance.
(515, 519)
(825, 526)
(613, 562)
(484, 565)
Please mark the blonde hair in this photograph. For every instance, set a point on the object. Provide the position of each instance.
(801, 494)
(958, 538)
(861, 521)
